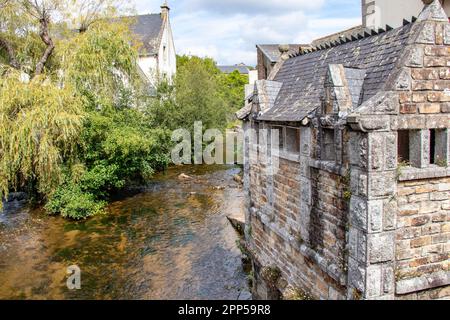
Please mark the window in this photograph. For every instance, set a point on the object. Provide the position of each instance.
(293, 140)
(433, 146)
(439, 147)
(328, 145)
(280, 132)
(255, 133)
(403, 146)
(422, 148)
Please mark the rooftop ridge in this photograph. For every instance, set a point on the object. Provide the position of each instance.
(366, 33)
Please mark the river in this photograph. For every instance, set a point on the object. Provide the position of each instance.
(170, 241)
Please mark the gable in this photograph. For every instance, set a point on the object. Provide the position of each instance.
(303, 76)
(148, 29)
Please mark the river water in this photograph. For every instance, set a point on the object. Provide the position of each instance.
(171, 241)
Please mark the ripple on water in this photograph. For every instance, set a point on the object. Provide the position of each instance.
(172, 241)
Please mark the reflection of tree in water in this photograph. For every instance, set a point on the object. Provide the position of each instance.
(169, 243)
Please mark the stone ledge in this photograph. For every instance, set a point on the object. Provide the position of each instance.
(328, 166)
(329, 268)
(431, 172)
(294, 157)
(425, 282)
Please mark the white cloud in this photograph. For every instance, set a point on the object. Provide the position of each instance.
(229, 30)
(251, 6)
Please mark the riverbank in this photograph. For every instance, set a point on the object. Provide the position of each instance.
(171, 241)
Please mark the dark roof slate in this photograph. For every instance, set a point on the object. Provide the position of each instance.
(272, 51)
(303, 76)
(148, 29)
(337, 36)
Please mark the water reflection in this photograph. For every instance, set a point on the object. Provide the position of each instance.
(171, 241)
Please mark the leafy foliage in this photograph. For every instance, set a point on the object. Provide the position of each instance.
(200, 93)
(39, 126)
(76, 123)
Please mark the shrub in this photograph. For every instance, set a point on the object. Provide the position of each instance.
(71, 202)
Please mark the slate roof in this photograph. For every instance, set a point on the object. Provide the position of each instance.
(337, 36)
(273, 53)
(303, 76)
(231, 69)
(148, 29)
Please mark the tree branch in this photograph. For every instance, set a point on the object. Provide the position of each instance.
(10, 52)
(45, 36)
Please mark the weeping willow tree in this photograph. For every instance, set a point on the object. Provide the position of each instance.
(39, 125)
(50, 86)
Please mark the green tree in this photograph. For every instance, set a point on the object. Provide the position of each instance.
(232, 89)
(69, 126)
(194, 96)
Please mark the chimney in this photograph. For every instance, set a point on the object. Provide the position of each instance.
(165, 10)
(284, 50)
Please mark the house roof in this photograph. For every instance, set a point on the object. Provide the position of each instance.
(230, 69)
(303, 76)
(337, 36)
(272, 51)
(148, 29)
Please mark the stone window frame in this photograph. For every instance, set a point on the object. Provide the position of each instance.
(419, 166)
(325, 133)
(284, 153)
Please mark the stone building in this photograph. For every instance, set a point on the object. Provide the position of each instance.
(355, 203)
(268, 55)
(379, 13)
(157, 56)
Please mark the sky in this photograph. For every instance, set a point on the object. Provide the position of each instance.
(228, 30)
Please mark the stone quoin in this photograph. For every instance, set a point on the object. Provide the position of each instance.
(359, 207)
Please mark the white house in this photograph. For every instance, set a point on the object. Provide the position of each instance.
(157, 57)
(379, 13)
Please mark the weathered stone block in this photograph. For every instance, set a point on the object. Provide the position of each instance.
(420, 242)
(425, 74)
(389, 215)
(422, 85)
(376, 154)
(390, 152)
(356, 275)
(408, 108)
(358, 212)
(424, 282)
(427, 34)
(439, 51)
(441, 85)
(374, 280)
(381, 247)
(440, 121)
(445, 108)
(419, 150)
(382, 184)
(444, 74)
(441, 96)
(408, 122)
(415, 57)
(404, 80)
(305, 141)
(435, 61)
(388, 279)
(447, 34)
(375, 213)
(427, 108)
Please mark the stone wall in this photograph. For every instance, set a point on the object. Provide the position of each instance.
(328, 221)
(423, 233)
(276, 228)
(360, 225)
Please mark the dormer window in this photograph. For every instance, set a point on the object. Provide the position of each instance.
(328, 150)
(422, 148)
